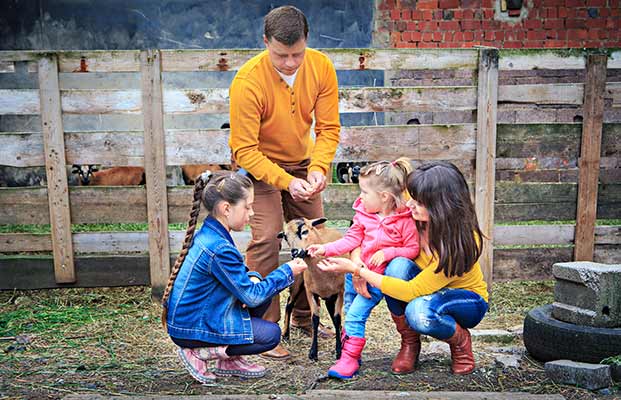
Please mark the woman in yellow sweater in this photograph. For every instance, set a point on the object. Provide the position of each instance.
(442, 292)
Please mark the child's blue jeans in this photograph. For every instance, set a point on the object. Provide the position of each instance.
(266, 335)
(357, 308)
(435, 314)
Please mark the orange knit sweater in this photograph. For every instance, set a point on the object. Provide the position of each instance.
(270, 121)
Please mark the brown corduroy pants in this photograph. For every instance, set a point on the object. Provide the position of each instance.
(272, 207)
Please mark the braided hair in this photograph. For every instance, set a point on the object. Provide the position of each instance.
(210, 189)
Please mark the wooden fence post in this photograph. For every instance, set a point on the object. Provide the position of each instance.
(485, 179)
(155, 169)
(57, 188)
(588, 163)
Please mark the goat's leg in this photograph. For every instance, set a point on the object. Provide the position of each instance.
(334, 305)
(314, 303)
(294, 292)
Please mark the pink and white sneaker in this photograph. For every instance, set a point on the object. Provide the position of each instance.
(195, 366)
(238, 366)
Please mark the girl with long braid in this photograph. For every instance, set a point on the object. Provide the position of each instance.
(212, 303)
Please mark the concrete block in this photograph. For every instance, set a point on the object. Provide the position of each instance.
(586, 293)
(589, 376)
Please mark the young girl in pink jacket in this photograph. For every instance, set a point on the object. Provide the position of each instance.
(383, 229)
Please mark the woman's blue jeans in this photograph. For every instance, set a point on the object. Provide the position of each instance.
(435, 314)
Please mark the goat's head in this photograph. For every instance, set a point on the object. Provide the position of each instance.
(300, 233)
(84, 172)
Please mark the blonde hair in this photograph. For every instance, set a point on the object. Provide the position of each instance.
(210, 190)
(389, 176)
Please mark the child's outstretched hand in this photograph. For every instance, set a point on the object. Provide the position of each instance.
(297, 265)
(315, 250)
(377, 259)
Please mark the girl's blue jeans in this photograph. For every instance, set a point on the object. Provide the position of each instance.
(266, 335)
(358, 308)
(435, 314)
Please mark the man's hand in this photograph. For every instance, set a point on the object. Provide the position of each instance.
(300, 189)
(317, 180)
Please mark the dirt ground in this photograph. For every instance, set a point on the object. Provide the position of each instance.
(109, 341)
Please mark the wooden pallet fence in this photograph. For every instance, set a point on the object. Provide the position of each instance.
(162, 108)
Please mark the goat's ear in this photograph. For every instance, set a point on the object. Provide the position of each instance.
(318, 221)
(280, 235)
(94, 168)
(75, 169)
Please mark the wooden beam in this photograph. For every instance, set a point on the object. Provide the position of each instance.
(155, 169)
(588, 162)
(58, 190)
(486, 154)
(138, 242)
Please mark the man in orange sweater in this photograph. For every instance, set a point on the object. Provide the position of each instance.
(274, 99)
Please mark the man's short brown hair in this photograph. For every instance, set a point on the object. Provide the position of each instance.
(287, 24)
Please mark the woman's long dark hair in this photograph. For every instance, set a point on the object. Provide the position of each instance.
(454, 233)
(210, 189)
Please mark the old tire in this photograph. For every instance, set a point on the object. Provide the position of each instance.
(549, 339)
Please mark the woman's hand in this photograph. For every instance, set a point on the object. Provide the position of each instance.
(297, 266)
(337, 264)
(360, 285)
(315, 250)
(377, 259)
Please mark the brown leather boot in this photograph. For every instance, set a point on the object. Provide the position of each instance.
(461, 351)
(407, 358)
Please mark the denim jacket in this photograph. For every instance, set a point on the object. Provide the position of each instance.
(212, 285)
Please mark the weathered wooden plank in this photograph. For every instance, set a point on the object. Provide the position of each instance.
(528, 263)
(22, 101)
(57, 188)
(99, 61)
(91, 271)
(513, 60)
(343, 59)
(101, 101)
(378, 99)
(99, 81)
(557, 93)
(613, 91)
(7, 67)
(155, 169)
(589, 157)
(20, 272)
(137, 242)
(403, 99)
(514, 202)
(614, 60)
(205, 146)
(485, 170)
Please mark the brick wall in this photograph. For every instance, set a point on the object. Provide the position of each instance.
(467, 23)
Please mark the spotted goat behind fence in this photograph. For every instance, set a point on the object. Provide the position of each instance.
(90, 175)
(314, 283)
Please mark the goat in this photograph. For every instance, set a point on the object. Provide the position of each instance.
(348, 172)
(299, 234)
(90, 175)
(191, 172)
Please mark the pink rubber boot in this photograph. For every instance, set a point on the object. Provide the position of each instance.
(347, 366)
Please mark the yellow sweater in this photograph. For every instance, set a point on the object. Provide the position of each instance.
(427, 281)
(270, 121)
